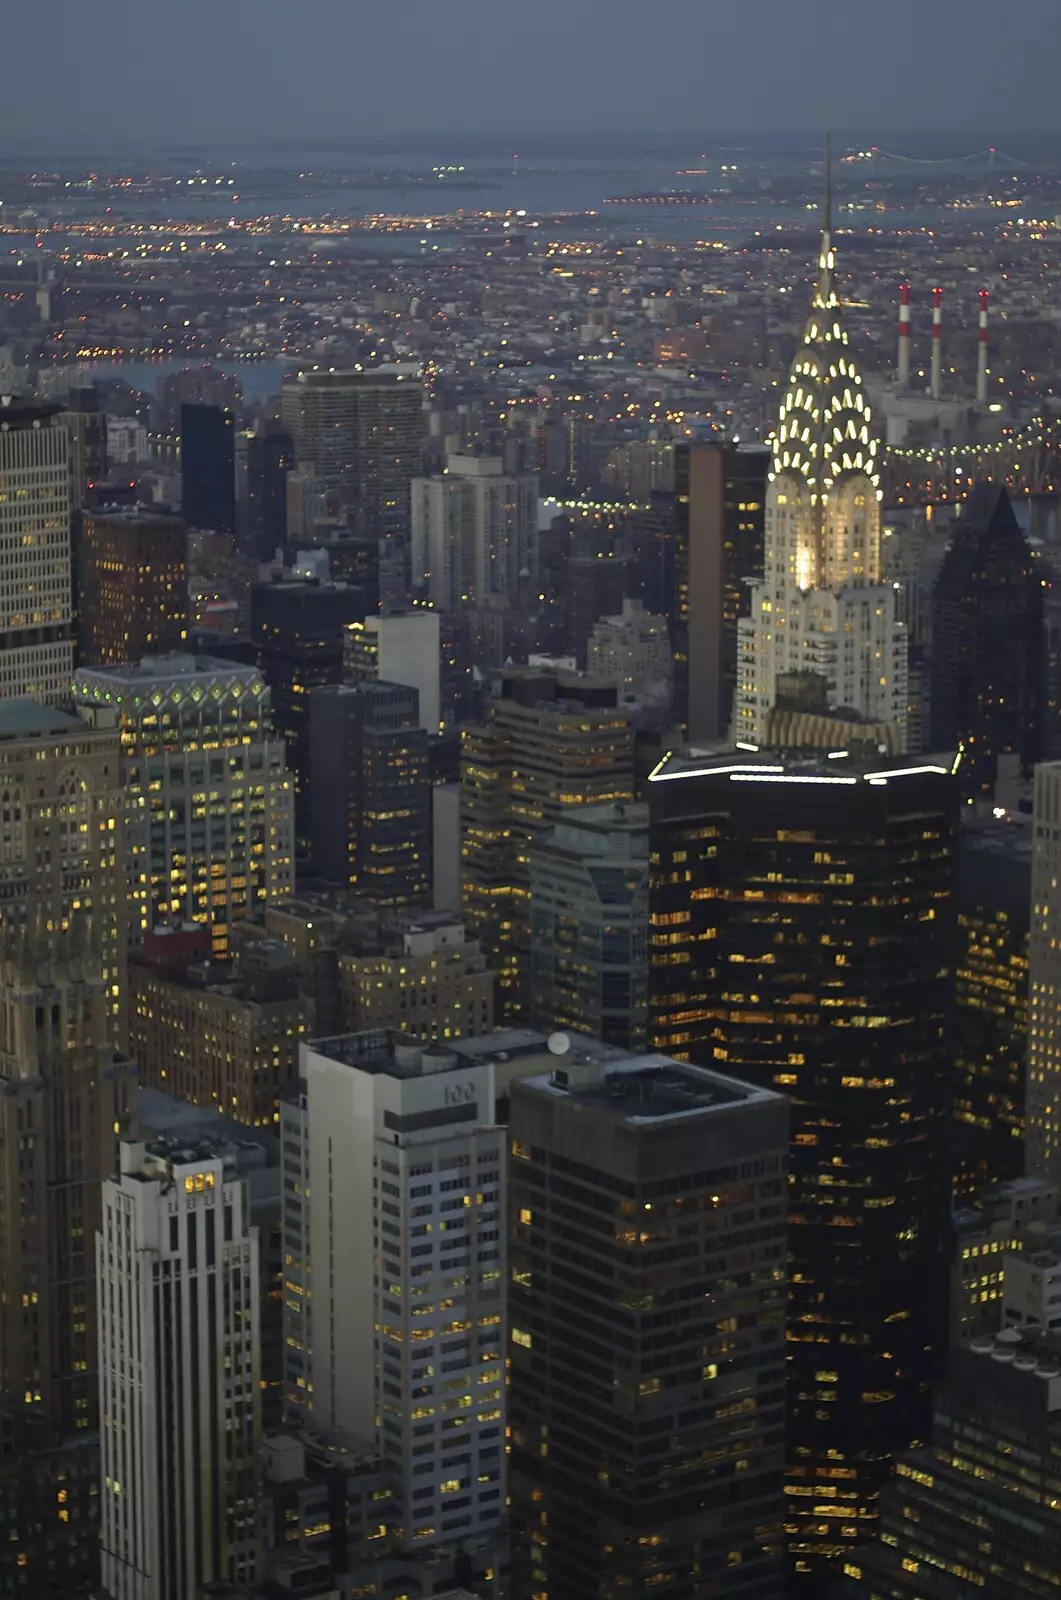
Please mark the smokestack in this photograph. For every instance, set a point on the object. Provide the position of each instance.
(981, 366)
(937, 344)
(904, 336)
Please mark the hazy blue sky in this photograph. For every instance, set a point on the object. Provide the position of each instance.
(123, 73)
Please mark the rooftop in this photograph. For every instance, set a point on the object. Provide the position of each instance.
(27, 719)
(839, 768)
(165, 671)
(393, 1053)
(641, 1090)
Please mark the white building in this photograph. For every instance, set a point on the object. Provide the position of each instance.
(474, 533)
(823, 605)
(406, 1231)
(35, 579)
(1043, 1137)
(633, 650)
(400, 647)
(180, 1402)
(126, 441)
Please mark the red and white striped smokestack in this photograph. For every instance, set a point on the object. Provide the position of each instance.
(904, 336)
(981, 365)
(937, 343)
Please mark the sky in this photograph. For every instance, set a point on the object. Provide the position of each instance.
(135, 75)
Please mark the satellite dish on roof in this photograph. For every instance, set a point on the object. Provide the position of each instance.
(559, 1044)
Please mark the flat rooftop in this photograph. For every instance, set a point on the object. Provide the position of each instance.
(643, 1090)
(840, 767)
(26, 719)
(177, 666)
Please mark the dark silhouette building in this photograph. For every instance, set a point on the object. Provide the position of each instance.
(208, 467)
(801, 936)
(270, 457)
(991, 1025)
(370, 791)
(297, 629)
(978, 1511)
(987, 643)
(647, 1331)
(133, 586)
(719, 501)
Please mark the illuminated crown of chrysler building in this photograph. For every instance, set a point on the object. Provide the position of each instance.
(821, 606)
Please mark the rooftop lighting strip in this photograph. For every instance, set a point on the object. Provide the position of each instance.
(713, 772)
(779, 776)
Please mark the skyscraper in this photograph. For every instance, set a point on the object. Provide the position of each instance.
(822, 605)
(361, 433)
(35, 593)
(988, 661)
(180, 1396)
(802, 937)
(408, 1306)
(297, 630)
(1043, 1107)
(67, 1094)
(548, 741)
(133, 598)
(474, 533)
(208, 467)
(720, 490)
(991, 1025)
(647, 1306)
(211, 822)
(370, 792)
(589, 924)
(270, 457)
(399, 647)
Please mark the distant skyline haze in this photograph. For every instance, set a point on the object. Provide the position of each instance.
(140, 78)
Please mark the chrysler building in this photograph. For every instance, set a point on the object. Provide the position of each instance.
(822, 606)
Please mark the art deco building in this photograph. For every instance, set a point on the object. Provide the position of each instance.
(133, 595)
(66, 1094)
(822, 605)
(802, 937)
(180, 1393)
(211, 822)
(35, 588)
(647, 1305)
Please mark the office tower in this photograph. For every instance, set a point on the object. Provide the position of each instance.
(987, 642)
(219, 1034)
(474, 533)
(589, 923)
(370, 792)
(720, 492)
(1009, 1217)
(133, 592)
(86, 424)
(408, 1306)
(360, 433)
(35, 599)
(1043, 1102)
(179, 1387)
(549, 740)
(297, 630)
(67, 1093)
(823, 605)
(270, 457)
(801, 935)
(647, 1306)
(977, 1511)
(633, 650)
(402, 647)
(210, 831)
(420, 973)
(913, 547)
(127, 442)
(991, 1023)
(208, 467)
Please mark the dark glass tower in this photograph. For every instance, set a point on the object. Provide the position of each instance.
(270, 457)
(208, 467)
(646, 1306)
(370, 791)
(987, 643)
(297, 630)
(801, 937)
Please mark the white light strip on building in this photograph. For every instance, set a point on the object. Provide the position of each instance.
(709, 772)
(785, 777)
